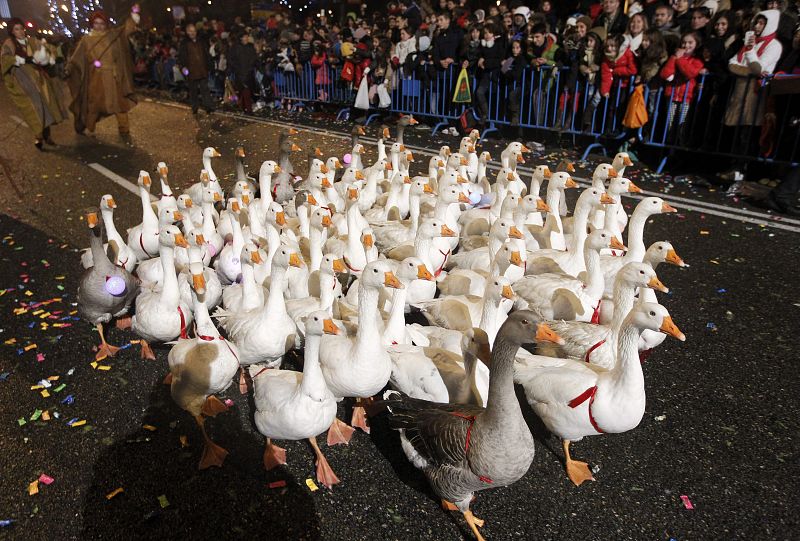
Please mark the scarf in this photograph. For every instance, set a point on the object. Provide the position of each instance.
(761, 44)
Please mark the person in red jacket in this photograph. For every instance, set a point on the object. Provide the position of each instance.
(616, 70)
(680, 73)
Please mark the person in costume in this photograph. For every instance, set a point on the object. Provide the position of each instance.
(24, 63)
(100, 73)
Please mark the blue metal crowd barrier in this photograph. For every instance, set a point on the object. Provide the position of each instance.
(556, 100)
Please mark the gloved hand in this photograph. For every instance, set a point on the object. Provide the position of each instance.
(19, 61)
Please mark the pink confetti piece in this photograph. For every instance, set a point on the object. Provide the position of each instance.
(40, 357)
(229, 402)
(46, 479)
(687, 503)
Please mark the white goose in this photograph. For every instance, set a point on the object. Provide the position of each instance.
(228, 265)
(473, 282)
(407, 271)
(143, 238)
(248, 294)
(196, 256)
(195, 191)
(575, 399)
(161, 315)
(167, 199)
(482, 258)
(118, 251)
(394, 232)
(294, 406)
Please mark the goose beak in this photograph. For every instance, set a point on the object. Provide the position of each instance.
(402, 148)
(111, 203)
(570, 167)
(199, 239)
(361, 130)
(413, 121)
(570, 183)
(360, 175)
(386, 133)
(278, 169)
(488, 157)
(388, 167)
(520, 159)
(368, 241)
(666, 207)
(406, 180)
(546, 334)
(325, 182)
(617, 244)
(510, 176)
(296, 148)
(424, 274)
(235, 206)
(427, 188)
(656, 284)
(324, 169)
(515, 233)
(463, 198)
(255, 258)
(312, 200)
(329, 327)
(217, 197)
(470, 149)
(668, 327)
(293, 131)
(516, 259)
(326, 221)
(390, 280)
(338, 164)
(627, 161)
(542, 206)
(215, 154)
(606, 199)
(447, 232)
(338, 266)
(295, 261)
(508, 293)
(280, 218)
(146, 180)
(177, 216)
(409, 156)
(352, 194)
(180, 240)
(163, 171)
(612, 173)
(463, 161)
(440, 163)
(360, 149)
(525, 149)
(199, 283)
(240, 152)
(317, 152)
(245, 199)
(204, 176)
(91, 219)
(462, 180)
(547, 172)
(674, 258)
(633, 188)
(188, 203)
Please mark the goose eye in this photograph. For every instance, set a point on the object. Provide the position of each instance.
(652, 313)
(374, 270)
(641, 272)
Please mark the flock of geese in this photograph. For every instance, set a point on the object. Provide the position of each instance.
(332, 264)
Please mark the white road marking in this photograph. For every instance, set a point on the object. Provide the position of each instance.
(742, 215)
(17, 120)
(113, 177)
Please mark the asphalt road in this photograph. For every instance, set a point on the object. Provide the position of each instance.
(721, 425)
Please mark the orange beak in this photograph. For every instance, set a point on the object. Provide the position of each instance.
(386, 133)
(199, 239)
(217, 197)
(352, 194)
(295, 261)
(317, 152)
(240, 152)
(612, 173)
(674, 258)
(510, 176)
(627, 161)
(470, 148)
(656, 284)
(235, 206)
(525, 149)
(520, 159)
(91, 219)
(390, 280)
(177, 215)
(547, 173)
(515, 233)
(204, 176)
(542, 206)
(324, 169)
(296, 148)
(278, 169)
(180, 240)
(293, 131)
(188, 203)
(338, 265)
(255, 258)
(462, 180)
(312, 200)
(666, 207)
(280, 218)
(199, 283)
(245, 199)
(570, 167)
(388, 166)
(113, 204)
(516, 259)
(163, 171)
(546, 334)
(507, 293)
(669, 327)
(326, 221)
(633, 188)
(325, 182)
(409, 156)
(368, 241)
(424, 274)
(463, 198)
(427, 188)
(338, 164)
(447, 232)
(617, 244)
(463, 161)
(216, 154)
(146, 181)
(406, 180)
(606, 199)
(359, 175)
(329, 327)
(570, 183)
(402, 148)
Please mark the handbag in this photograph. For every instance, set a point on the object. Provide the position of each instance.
(462, 93)
(636, 113)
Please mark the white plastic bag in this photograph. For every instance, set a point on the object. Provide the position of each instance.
(362, 98)
(384, 100)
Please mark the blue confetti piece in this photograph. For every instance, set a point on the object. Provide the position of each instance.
(20, 351)
(6, 523)
(72, 421)
(710, 325)
(31, 324)
(126, 346)
(723, 290)
(68, 400)
(4, 376)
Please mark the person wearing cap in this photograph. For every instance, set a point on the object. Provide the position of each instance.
(23, 61)
(100, 73)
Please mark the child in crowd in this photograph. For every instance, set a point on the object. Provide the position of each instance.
(680, 74)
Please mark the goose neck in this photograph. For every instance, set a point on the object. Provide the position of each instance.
(315, 249)
(265, 188)
(627, 372)
(276, 303)
(313, 383)
(502, 404)
(595, 282)
(397, 322)
(490, 310)
(148, 214)
(202, 319)
(327, 286)
(636, 248)
(169, 289)
(108, 223)
(367, 318)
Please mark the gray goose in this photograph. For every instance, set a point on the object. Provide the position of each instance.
(404, 122)
(462, 448)
(283, 182)
(105, 291)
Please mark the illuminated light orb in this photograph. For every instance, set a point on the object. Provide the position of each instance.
(347, 158)
(115, 285)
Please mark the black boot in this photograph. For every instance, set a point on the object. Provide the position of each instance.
(587, 117)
